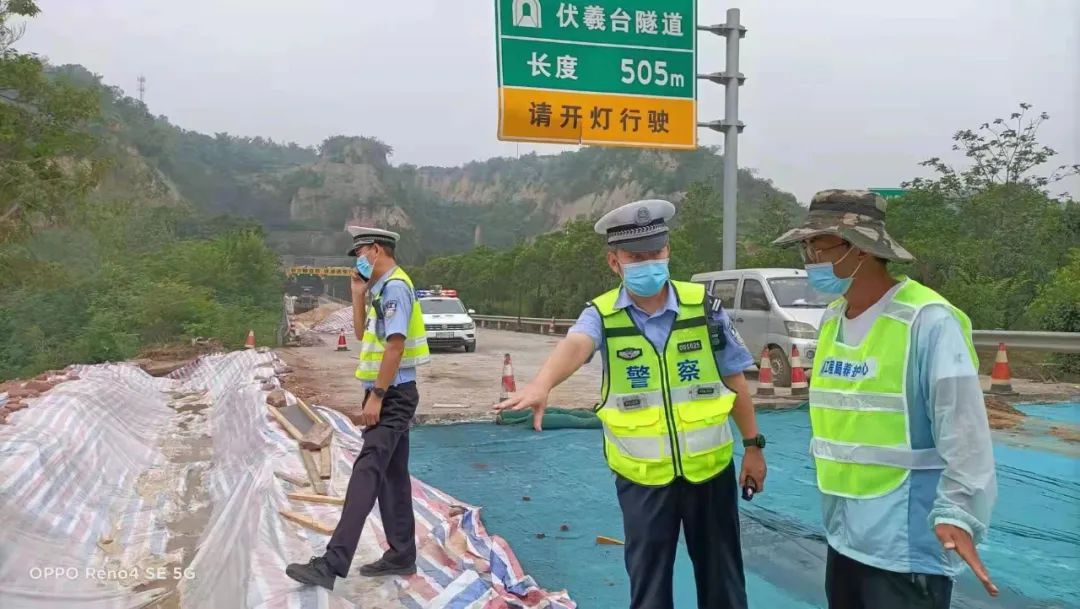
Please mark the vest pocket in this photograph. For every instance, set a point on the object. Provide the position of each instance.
(711, 411)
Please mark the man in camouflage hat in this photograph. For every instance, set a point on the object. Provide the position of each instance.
(901, 442)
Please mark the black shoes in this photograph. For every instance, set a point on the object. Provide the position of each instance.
(315, 573)
(383, 567)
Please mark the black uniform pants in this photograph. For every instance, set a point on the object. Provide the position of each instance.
(850, 584)
(381, 472)
(709, 516)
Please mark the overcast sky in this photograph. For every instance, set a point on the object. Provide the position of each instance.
(849, 93)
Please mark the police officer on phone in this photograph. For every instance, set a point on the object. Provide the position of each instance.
(390, 327)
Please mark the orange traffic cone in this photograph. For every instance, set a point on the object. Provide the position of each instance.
(1001, 375)
(250, 342)
(799, 386)
(764, 378)
(508, 384)
(341, 344)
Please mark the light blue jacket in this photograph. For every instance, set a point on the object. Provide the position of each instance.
(946, 410)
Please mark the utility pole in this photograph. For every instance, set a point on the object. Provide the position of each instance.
(730, 126)
(142, 88)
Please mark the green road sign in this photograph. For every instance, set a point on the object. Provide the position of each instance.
(619, 72)
(890, 193)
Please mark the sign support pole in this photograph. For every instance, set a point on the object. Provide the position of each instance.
(731, 126)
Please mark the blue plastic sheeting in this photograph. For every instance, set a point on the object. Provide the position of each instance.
(1033, 552)
(1064, 413)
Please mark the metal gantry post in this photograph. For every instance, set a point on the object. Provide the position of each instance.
(730, 126)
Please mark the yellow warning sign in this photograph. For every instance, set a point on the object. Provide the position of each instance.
(569, 117)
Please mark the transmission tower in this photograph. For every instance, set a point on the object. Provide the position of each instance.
(142, 88)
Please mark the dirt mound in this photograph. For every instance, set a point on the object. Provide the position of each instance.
(1002, 414)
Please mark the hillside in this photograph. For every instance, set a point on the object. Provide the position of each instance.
(304, 197)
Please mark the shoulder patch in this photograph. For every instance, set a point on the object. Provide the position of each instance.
(390, 308)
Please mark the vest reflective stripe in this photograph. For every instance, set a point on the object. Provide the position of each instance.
(372, 349)
(650, 447)
(923, 458)
(841, 400)
(664, 413)
(704, 440)
(376, 347)
(632, 401)
(859, 408)
(641, 447)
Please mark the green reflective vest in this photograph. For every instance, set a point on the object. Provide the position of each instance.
(372, 347)
(664, 414)
(859, 400)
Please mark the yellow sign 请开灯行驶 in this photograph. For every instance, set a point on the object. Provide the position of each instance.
(544, 115)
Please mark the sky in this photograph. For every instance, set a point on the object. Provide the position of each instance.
(839, 93)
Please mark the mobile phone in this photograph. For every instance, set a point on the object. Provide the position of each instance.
(749, 490)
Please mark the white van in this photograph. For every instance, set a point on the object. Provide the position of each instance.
(773, 308)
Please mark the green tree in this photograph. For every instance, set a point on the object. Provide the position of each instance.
(697, 238)
(757, 249)
(46, 150)
(1001, 152)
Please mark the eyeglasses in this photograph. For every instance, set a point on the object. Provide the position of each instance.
(812, 254)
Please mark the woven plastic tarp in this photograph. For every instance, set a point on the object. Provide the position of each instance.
(119, 489)
(338, 321)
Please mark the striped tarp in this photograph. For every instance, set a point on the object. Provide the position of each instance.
(338, 321)
(118, 488)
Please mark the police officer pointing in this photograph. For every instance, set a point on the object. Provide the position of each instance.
(394, 343)
(673, 373)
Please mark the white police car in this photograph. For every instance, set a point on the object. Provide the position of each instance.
(447, 321)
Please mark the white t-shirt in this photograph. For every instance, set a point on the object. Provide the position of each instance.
(854, 330)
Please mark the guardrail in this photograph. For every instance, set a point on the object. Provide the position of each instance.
(538, 325)
(1053, 342)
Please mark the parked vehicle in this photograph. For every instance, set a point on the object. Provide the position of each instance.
(448, 323)
(771, 308)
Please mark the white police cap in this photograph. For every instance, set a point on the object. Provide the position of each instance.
(640, 226)
(362, 235)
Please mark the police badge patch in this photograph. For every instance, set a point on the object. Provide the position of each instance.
(629, 354)
(390, 308)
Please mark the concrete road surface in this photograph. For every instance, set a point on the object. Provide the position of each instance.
(464, 386)
(455, 385)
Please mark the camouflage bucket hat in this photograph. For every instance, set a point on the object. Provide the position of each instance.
(856, 216)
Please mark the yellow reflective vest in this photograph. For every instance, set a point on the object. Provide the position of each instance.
(859, 408)
(372, 347)
(665, 415)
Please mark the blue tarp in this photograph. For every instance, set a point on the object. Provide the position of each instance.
(1033, 551)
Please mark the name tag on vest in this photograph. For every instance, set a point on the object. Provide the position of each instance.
(631, 402)
(688, 346)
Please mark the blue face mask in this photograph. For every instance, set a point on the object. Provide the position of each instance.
(646, 278)
(364, 267)
(822, 277)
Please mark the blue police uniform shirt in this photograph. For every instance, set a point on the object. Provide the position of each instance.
(397, 302)
(732, 358)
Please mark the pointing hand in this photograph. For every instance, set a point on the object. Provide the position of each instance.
(958, 540)
(530, 396)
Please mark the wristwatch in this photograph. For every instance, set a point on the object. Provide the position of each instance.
(379, 393)
(758, 441)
